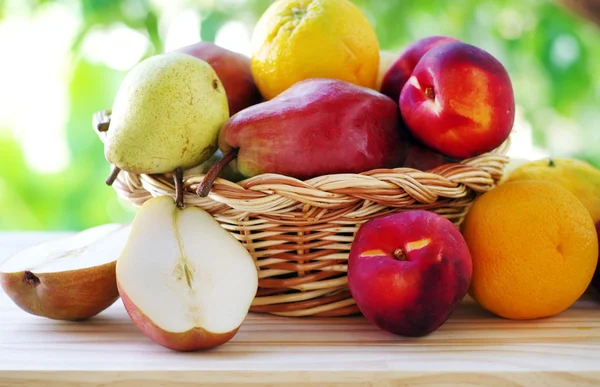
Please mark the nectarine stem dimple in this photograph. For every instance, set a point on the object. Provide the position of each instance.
(207, 183)
(114, 172)
(430, 93)
(399, 254)
(179, 187)
(31, 278)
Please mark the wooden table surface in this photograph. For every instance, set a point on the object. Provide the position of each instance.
(472, 348)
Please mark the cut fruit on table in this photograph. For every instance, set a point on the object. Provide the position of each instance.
(71, 278)
(185, 281)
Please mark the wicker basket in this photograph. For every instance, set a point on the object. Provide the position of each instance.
(300, 232)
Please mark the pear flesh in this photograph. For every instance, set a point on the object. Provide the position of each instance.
(166, 115)
(185, 281)
(70, 278)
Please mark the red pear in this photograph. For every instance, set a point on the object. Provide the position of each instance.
(317, 127)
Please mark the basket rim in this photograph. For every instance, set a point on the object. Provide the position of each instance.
(498, 154)
(272, 193)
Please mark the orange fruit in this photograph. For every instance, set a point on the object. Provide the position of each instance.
(299, 39)
(534, 249)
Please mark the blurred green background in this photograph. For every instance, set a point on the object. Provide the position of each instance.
(64, 60)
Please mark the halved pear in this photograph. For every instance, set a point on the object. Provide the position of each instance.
(70, 278)
(185, 281)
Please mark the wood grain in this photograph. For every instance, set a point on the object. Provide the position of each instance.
(472, 348)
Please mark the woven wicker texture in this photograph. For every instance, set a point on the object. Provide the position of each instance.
(300, 232)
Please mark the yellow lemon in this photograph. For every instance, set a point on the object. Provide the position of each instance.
(301, 39)
(577, 176)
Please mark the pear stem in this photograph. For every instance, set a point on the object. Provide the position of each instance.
(206, 184)
(101, 123)
(114, 172)
(179, 187)
(31, 279)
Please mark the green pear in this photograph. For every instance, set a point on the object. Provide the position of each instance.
(166, 115)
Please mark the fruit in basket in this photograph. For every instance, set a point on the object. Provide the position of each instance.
(185, 281)
(403, 65)
(422, 158)
(409, 271)
(534, 249)
(316, 127)
(386, 59)
(459, 101)
(579, 177)
(166, 115)
(233, 69)
(300, 39)
(69, 278)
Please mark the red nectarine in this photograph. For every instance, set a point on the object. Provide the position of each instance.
(459, 101)
(409, 271)
(399, 72)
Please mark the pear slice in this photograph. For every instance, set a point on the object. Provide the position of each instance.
(70, 278)
(185, 281)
